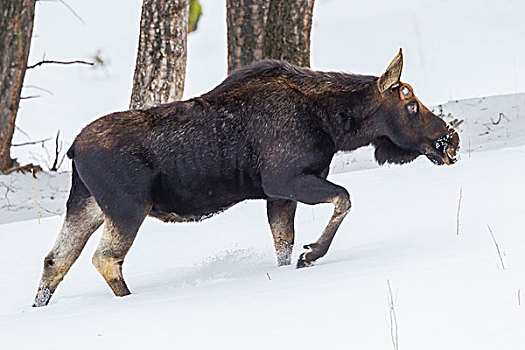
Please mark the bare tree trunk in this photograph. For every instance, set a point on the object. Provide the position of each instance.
(161, 58)
(287, 33)
(246, 20)
(16, 28)
(259, 29)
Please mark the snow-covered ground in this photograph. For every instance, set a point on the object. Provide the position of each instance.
(215, 284)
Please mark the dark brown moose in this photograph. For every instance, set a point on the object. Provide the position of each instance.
(269, 131)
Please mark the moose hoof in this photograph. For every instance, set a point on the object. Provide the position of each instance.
(284, 260)
(42, 297)
(303, 262)
(119, 287)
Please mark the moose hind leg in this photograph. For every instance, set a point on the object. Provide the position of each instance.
(83, 217)
(281, 213)
(112, 249)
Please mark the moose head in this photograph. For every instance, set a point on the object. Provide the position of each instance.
(406, 127)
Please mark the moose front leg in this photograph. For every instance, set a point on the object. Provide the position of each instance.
(281, 213)
(312, 189)
(318, 249)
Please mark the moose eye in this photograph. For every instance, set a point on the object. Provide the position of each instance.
(412, 108)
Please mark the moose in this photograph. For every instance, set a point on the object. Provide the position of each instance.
(268, 131)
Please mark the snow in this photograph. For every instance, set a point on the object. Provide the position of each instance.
(208, 284)
(215, 284)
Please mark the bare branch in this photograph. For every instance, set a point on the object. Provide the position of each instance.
(58, 161)
(30, 142)
(23, 169)
(38, 88)
(22, 131)
(54, 166)
(72, 11)
(68, 7)
(59, 62)
(29, 97)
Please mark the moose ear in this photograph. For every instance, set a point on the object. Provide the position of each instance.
(391, 76)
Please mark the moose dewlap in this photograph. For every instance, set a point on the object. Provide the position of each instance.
(269, 131)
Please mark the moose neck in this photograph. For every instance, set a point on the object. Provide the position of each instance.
(351, 116)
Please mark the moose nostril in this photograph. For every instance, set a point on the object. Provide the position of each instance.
(442, 143)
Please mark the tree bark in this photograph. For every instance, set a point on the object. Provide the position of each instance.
(259, 29)
(161, 58)
(287, 34)
(16, 29)
(246, 20)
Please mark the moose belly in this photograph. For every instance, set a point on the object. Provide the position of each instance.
(197, 199)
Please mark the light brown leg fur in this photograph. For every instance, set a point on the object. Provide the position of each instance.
(109, 256)
(79, 225)
(281, 213)
(318, 249)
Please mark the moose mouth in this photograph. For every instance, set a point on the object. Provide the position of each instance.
(444, 150)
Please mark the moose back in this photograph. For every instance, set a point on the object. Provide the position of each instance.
(269, 131)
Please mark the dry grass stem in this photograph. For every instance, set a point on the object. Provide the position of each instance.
(459, 208)
(36, 195)
(393, 318)
(497, 247)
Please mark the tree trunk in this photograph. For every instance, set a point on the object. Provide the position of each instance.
(287, 34)
(16, 28)
(268, 29)
(161, 58)
(246, 20)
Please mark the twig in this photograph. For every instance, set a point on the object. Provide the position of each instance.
(519, 297)
(59, 62)
(72, 11)
(459, 208)
(51, 212)
(393, 318)
(38, 88)
(29, 97)
(36, 196)
(68, 7)
(497, 247)
(269, 278)
(22, 131)
(496, 122)
(501, 115)
(56, 163)
(23, 169)
(30, 142)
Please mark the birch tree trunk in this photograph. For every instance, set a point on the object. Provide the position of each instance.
(161, 58)
(16, 28)
(259, 29)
